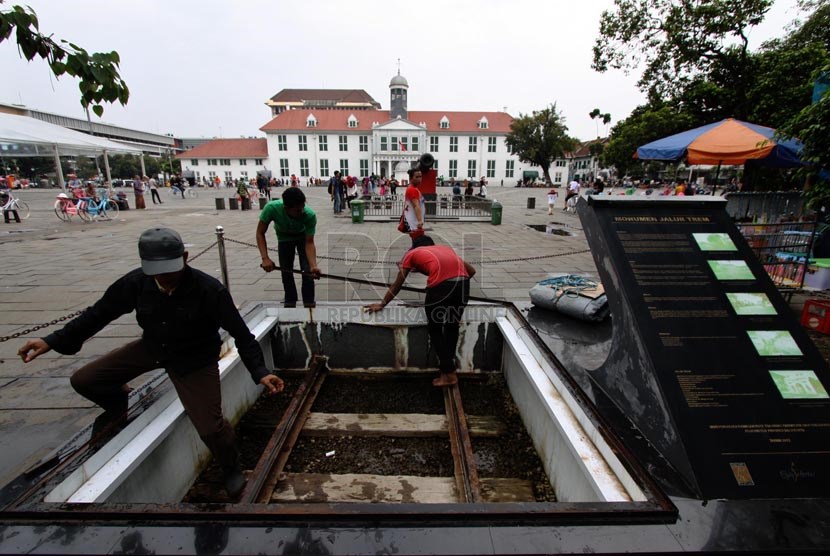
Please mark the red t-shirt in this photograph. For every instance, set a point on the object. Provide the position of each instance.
(411, 198)
(438, 262)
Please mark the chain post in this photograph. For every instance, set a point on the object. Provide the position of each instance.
(223, 261)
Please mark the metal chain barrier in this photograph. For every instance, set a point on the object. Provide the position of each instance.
(273, 249)
(39, 326)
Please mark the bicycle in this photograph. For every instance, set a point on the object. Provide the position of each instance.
(189, 192)
(14, 203)
(66, 208)
(105, 208)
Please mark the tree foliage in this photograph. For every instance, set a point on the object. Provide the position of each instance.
(811, 126)
(97, 73)
(674, 42)
(540, 138)
(644, 125)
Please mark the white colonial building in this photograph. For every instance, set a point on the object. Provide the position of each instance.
(315, 132)
(227, 159)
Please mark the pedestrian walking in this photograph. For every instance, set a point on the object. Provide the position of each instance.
(154, 190)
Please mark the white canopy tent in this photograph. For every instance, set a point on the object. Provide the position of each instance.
(22, 136)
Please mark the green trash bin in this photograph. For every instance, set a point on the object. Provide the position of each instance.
(495, 213)
(358, 212)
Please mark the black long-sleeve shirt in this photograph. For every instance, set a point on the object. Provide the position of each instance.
(180, 330)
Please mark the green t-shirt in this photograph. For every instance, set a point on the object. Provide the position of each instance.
(287, 228)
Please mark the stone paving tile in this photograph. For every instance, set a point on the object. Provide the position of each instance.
(45, 392)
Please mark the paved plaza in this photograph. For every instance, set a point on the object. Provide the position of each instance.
(51, 268)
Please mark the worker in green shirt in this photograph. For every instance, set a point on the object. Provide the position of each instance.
(295, 224)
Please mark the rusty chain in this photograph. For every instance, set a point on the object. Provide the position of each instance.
(273, 249)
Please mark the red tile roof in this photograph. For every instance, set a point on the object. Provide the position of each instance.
(337, 120)
(338, 95)
(229, 148)
(585, 148)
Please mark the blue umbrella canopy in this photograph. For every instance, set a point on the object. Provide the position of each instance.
(730, 142)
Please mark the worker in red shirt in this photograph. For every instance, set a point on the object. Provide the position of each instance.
(448, 290)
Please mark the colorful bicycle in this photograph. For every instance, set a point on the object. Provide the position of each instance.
(13, 203)
(66, 208)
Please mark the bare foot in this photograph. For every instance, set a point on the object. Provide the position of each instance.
(445, 380)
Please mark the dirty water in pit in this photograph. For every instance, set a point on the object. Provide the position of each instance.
(511, 455)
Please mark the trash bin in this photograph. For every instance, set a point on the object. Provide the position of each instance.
(495, 213)
(358, 212)
(246, 203)
(531, 202)
(262, 202)
(233, 203)
(220, 203)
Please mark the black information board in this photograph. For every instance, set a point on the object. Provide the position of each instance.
(708, 360)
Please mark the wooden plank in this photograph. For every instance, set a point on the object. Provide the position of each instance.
(394, 424)
(364, 488)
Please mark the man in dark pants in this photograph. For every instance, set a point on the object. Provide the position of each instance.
(448, 290)
(180, 310)
(295, 225)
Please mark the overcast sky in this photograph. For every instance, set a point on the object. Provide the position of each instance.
(202, 68)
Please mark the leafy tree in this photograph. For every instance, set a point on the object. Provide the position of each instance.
(675, 42)
(810, 126)
(596, 114)
(99, 80)
(540, 138)
(645, 124)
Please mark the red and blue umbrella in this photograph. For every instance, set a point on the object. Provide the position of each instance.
(730, 142)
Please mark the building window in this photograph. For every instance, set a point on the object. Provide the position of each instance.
(284, 168)
(364, 167)
(344, 167)
(482, 124)
(352, 122)
(344, 143)
(243, 161)
(508, 170)
(224, 162)
(384, 146)
(212, 162)
(198, 177)
(433, 144)
(324, 142)
(471, 168)
(453, 168)
(561, 163)
(244, 175)
(303, 142)
(228, 177)
(194, 161)
(324, 168)
(557, 177)
(472, 145)
(304, 167)
(404, 143)
(257, 162)
(435, 164)
(394, 141)
(364, 143)
(445, 123)
(415, 144)
(453, 144)
(491, 144)
(311, 122)
(282, 143)
(491, 168)
(211, 175)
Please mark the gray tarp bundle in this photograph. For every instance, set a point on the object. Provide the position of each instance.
(561, 293)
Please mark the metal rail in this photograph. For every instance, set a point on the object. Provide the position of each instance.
(466, 472)
(279, 446)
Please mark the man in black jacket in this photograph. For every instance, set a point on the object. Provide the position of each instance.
(180, 310)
